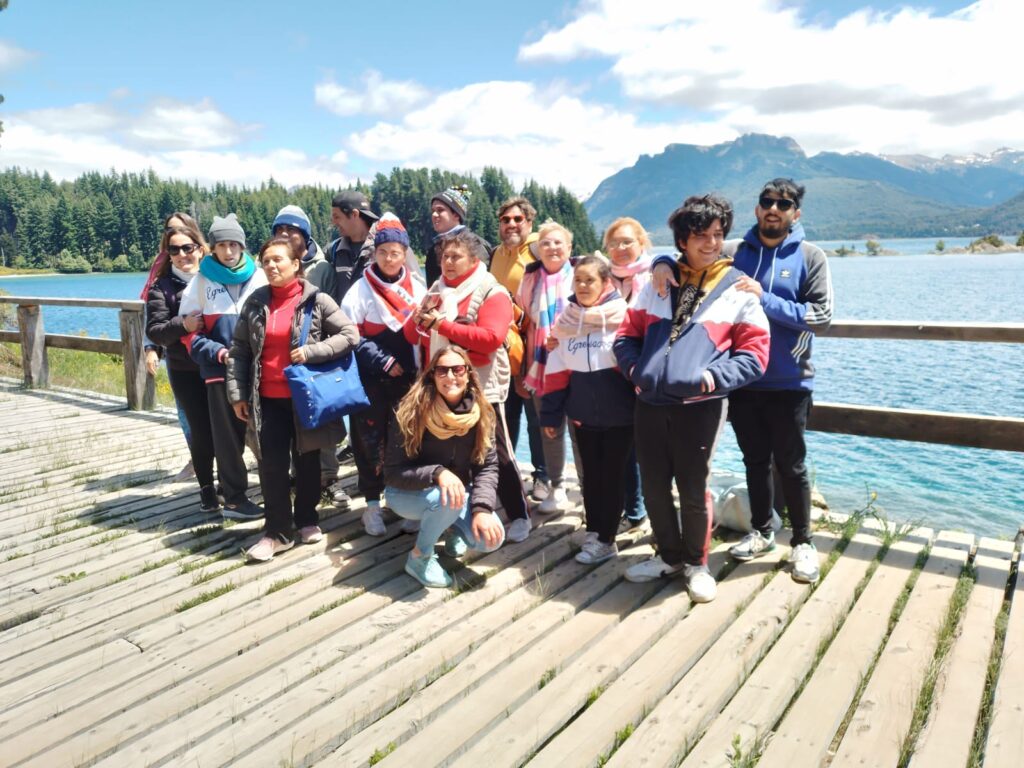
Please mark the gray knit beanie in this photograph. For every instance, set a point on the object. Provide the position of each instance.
(227, 229)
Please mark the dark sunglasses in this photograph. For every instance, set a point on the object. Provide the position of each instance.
(779, 202)
(187, 249)
(443, 370)
(513, 219)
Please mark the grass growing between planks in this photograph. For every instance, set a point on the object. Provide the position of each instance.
(91, 371)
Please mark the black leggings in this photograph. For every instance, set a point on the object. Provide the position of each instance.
(510, 482)
(604, 454)
(278, 447)
(190, 394)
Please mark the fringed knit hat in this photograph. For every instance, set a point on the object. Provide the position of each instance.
(390, 230)
(456, 198)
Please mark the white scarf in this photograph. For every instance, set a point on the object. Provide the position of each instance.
(451, 297)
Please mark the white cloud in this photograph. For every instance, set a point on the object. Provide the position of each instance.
(908, 80)
(530, 132)
(12, 56)
(374, 96)
(67, 153)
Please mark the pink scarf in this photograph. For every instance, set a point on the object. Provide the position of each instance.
(630, 279)
(607, 312)
(543, 295)
(158, 262)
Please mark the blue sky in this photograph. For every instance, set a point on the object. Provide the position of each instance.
(565, 92)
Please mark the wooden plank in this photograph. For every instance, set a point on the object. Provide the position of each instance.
(807, 730)
(675, 722)
(628, 698)
(133, 305)
(206, 695)
(1005, 743)
(992, 432)
(947, 737)
(894, 329)
(518, 623)
(85, 343)
(759, 704)
(34, 364)
(879, 724)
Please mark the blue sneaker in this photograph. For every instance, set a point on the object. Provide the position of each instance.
(455, 545)
(427, 571)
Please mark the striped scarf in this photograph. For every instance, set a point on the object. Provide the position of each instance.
(549, 294)
(394, 302)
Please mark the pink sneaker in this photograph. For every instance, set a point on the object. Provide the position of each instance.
(268, 546)
(310, 534)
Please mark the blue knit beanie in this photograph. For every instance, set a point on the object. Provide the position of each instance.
(390, 230)
(295, 217)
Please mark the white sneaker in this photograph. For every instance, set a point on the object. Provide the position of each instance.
(700, 583)
(754, 544)
(555, 502)
(518, 529)
(373, 521)
(410, 526)
(804, 558)
(541, 488)
(651, 570)
(594, 551)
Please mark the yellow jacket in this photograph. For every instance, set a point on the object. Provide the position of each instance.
(508, 266)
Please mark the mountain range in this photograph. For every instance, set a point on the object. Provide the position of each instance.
(853, 195)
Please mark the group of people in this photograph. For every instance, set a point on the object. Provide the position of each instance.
(630, 360)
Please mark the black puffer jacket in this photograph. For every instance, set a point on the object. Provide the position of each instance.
(331, 335)
(454, 454)
(163, 326)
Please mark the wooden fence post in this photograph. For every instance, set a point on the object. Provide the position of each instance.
(134, 354)
(34, 361)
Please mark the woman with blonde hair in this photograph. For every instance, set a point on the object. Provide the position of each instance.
(543, 294)
(628, 247)
(441, 466)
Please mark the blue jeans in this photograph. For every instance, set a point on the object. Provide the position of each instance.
(634, 508)
(425, 505)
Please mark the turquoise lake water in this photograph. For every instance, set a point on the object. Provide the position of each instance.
(945, 487)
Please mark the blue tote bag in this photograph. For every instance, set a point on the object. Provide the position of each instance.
(324, 392)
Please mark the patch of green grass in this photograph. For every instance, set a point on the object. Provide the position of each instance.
(280, 584)
(944, 642)
(593, 696)
(112, 536)
(331, 606)
(204, 597)
(92, 371)
(16, 555)
(67, 578)
(995, 663)
(380, 754)
(152, 566)
(620, 738)
(547, 677)
(740, 759)
(204, 576)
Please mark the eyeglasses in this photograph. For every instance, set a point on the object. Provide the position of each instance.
(513, 219)
(779, 202)
(175, 250)
(550, 243)
(458, 371)
(619, 244)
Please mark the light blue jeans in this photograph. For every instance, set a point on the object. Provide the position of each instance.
(425, 505)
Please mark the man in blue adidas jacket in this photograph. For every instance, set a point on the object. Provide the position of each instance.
(791, 277)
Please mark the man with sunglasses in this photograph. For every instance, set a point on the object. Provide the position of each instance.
(518, 249)
(791, 277)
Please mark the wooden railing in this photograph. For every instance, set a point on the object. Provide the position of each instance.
(139, 385)
(1002, 433)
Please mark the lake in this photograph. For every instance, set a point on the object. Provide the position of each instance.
(946, 487)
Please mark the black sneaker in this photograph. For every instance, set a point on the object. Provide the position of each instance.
(335, 494)
(345, 454)
(243, 510)
(209, 501)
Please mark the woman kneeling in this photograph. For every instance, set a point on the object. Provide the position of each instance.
(441, 467)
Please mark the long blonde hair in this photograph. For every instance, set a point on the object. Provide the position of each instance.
(412, 410)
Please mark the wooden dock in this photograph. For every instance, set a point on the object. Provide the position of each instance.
(133, 634)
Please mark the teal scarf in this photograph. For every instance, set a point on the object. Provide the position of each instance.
(213, 270)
